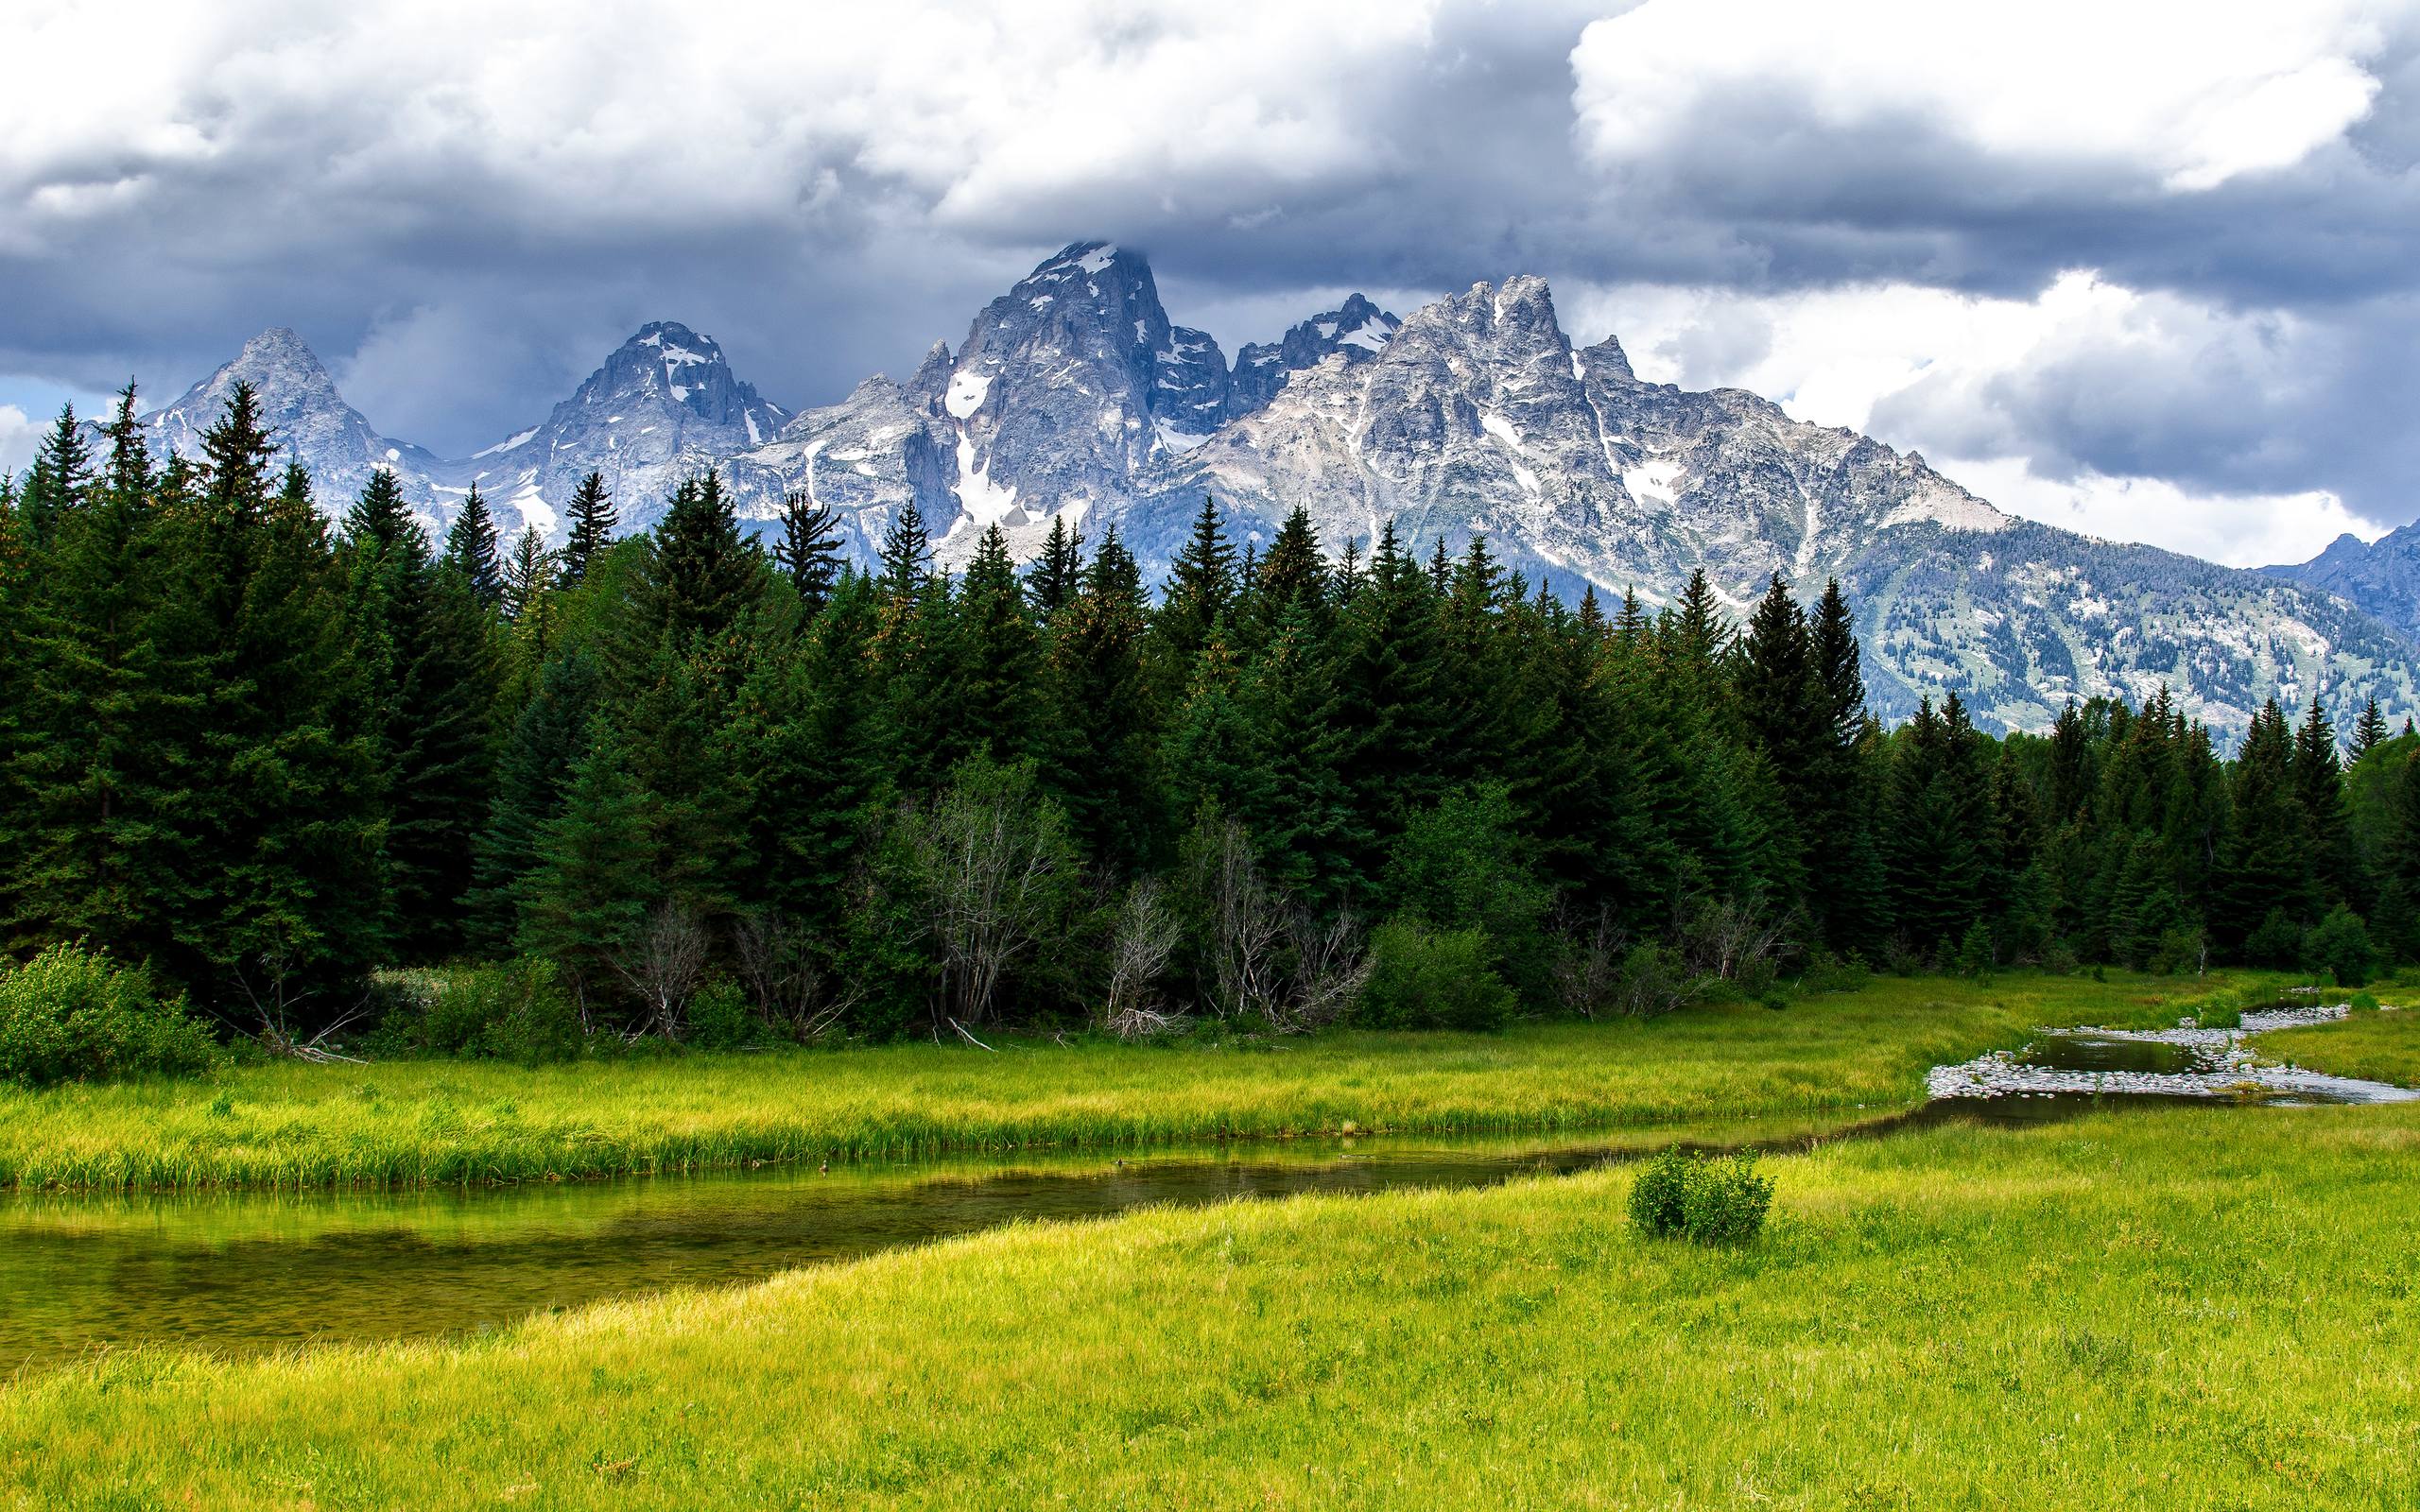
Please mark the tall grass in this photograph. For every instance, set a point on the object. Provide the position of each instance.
(405, 1123)
(2376, 1046)
(2075, 1315)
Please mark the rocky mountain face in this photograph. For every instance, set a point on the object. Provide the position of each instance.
(1072, 395)
(1479, 418)
(311, 424)
(665, 406)
(1357, 329)
(1067, 389)
(2381, 577)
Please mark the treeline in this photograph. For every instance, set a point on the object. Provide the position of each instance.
(261, 758)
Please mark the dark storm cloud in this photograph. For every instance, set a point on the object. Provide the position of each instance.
(462, 213)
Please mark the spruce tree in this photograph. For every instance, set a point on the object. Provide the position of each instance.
(2369, 729)
(991, 689)
(1102, 735)
(593, 521)
(703, 576)
(527, 576)
(1200, 591)
(547, 743)
(587, 899)
(282, 824)
(1385, 669)
(420, 645)
(2327, 828)
(98, 704)
(1057, 574)
(61, 474)
(471, 547)
(809, 551)
(2265, 866)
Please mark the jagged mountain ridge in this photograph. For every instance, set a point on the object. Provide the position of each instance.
(664, 406)
(310, 421)
(2381, 577)
(1074, 396)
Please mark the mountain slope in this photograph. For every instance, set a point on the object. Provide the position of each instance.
(664, 406)
(312, 425)
(1479, 418)
(2381, 578)
(1357, 329)
(1074, 396)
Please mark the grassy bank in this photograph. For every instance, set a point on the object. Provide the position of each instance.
(290, 1124)
(2065, 1315)
(2371, 1046)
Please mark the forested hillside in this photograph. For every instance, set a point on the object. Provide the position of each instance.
(267, 758)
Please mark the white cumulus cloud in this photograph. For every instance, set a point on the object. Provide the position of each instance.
(2186, 92)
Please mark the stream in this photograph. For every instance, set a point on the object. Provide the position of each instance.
(244, 1272)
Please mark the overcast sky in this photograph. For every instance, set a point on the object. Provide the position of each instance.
(2144, 268)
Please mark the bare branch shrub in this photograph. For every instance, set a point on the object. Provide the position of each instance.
(1331, 966)
(792, 993)
(1651, 980)
(1728, 939)
(664, 964)
(1143, 939)
(1587, 971)
(1245, 924)
(995, 868)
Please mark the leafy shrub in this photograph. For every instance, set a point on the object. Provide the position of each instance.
(72, 1014)
(1706, 1199)
(1976, 954)
(517, 1010)
(2059, 958)
(2340, 943)
(1432, 979)
(719, 1016)
(1726, 1202)
(1658, 1199)
(1827, 973)
(2364, 1002)
(1654, 980)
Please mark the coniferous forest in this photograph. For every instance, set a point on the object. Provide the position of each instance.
(694, 782)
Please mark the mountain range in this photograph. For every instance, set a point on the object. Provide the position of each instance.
(1075, 396)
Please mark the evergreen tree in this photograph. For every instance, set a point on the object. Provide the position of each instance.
(61, 474)
(991, 677)
(703, 576)
(1788, 711)
(593, 521)
(809, 550)
(1102, 733)
(2266, 863)
(2327, 830)
(419, 631)
(1200, 591)
(471, 548)
(548, 740)
(1294, 574)
(587, 899)
(1057, 575)
(527, 576)
(282, 825)
(2369, 730)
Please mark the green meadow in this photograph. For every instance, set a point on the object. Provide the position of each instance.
(2158, 1309)
(289, 1124)
(2140, 1307)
